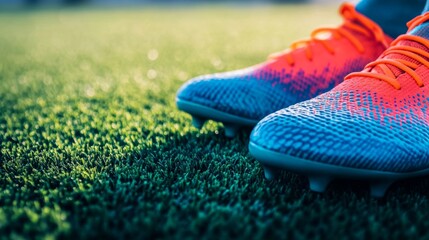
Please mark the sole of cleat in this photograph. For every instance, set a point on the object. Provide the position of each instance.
(320, 174)
(201, 113)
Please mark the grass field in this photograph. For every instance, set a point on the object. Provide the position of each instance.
(93, 146)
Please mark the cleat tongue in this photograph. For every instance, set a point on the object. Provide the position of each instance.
(270, 173)
(319, 183)
(379, 188)
(198, 122)
(231, 130)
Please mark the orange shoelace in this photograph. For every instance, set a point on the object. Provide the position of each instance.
(352, 20)
(414, 53)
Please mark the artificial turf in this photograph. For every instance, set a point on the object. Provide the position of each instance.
(92, 144)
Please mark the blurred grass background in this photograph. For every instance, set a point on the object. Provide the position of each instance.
(92, 144)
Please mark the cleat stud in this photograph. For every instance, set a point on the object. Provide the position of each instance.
(270, 172)
(379, 188)
(198, 122)
(231, 130)
(319, 183)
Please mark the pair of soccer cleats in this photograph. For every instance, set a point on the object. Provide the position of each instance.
(370, 125)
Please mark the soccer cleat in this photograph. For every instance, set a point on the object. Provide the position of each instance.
(309, 68)
(374, 126)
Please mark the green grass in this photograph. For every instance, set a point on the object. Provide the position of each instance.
(93, 146)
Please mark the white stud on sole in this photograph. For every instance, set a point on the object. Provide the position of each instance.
(270, 172)
(319, 183)
(379, 188)
(198, 122)
(231, 130)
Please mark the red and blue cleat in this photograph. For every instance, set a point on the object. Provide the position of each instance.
(309, 68)
(374, 126)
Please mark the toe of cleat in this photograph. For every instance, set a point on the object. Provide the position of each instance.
(379, 188)
(270, 173)
(231, 130)
(198, 122)
(319, 183)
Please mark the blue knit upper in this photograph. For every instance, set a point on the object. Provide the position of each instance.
(254, 93)
(379, 132)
